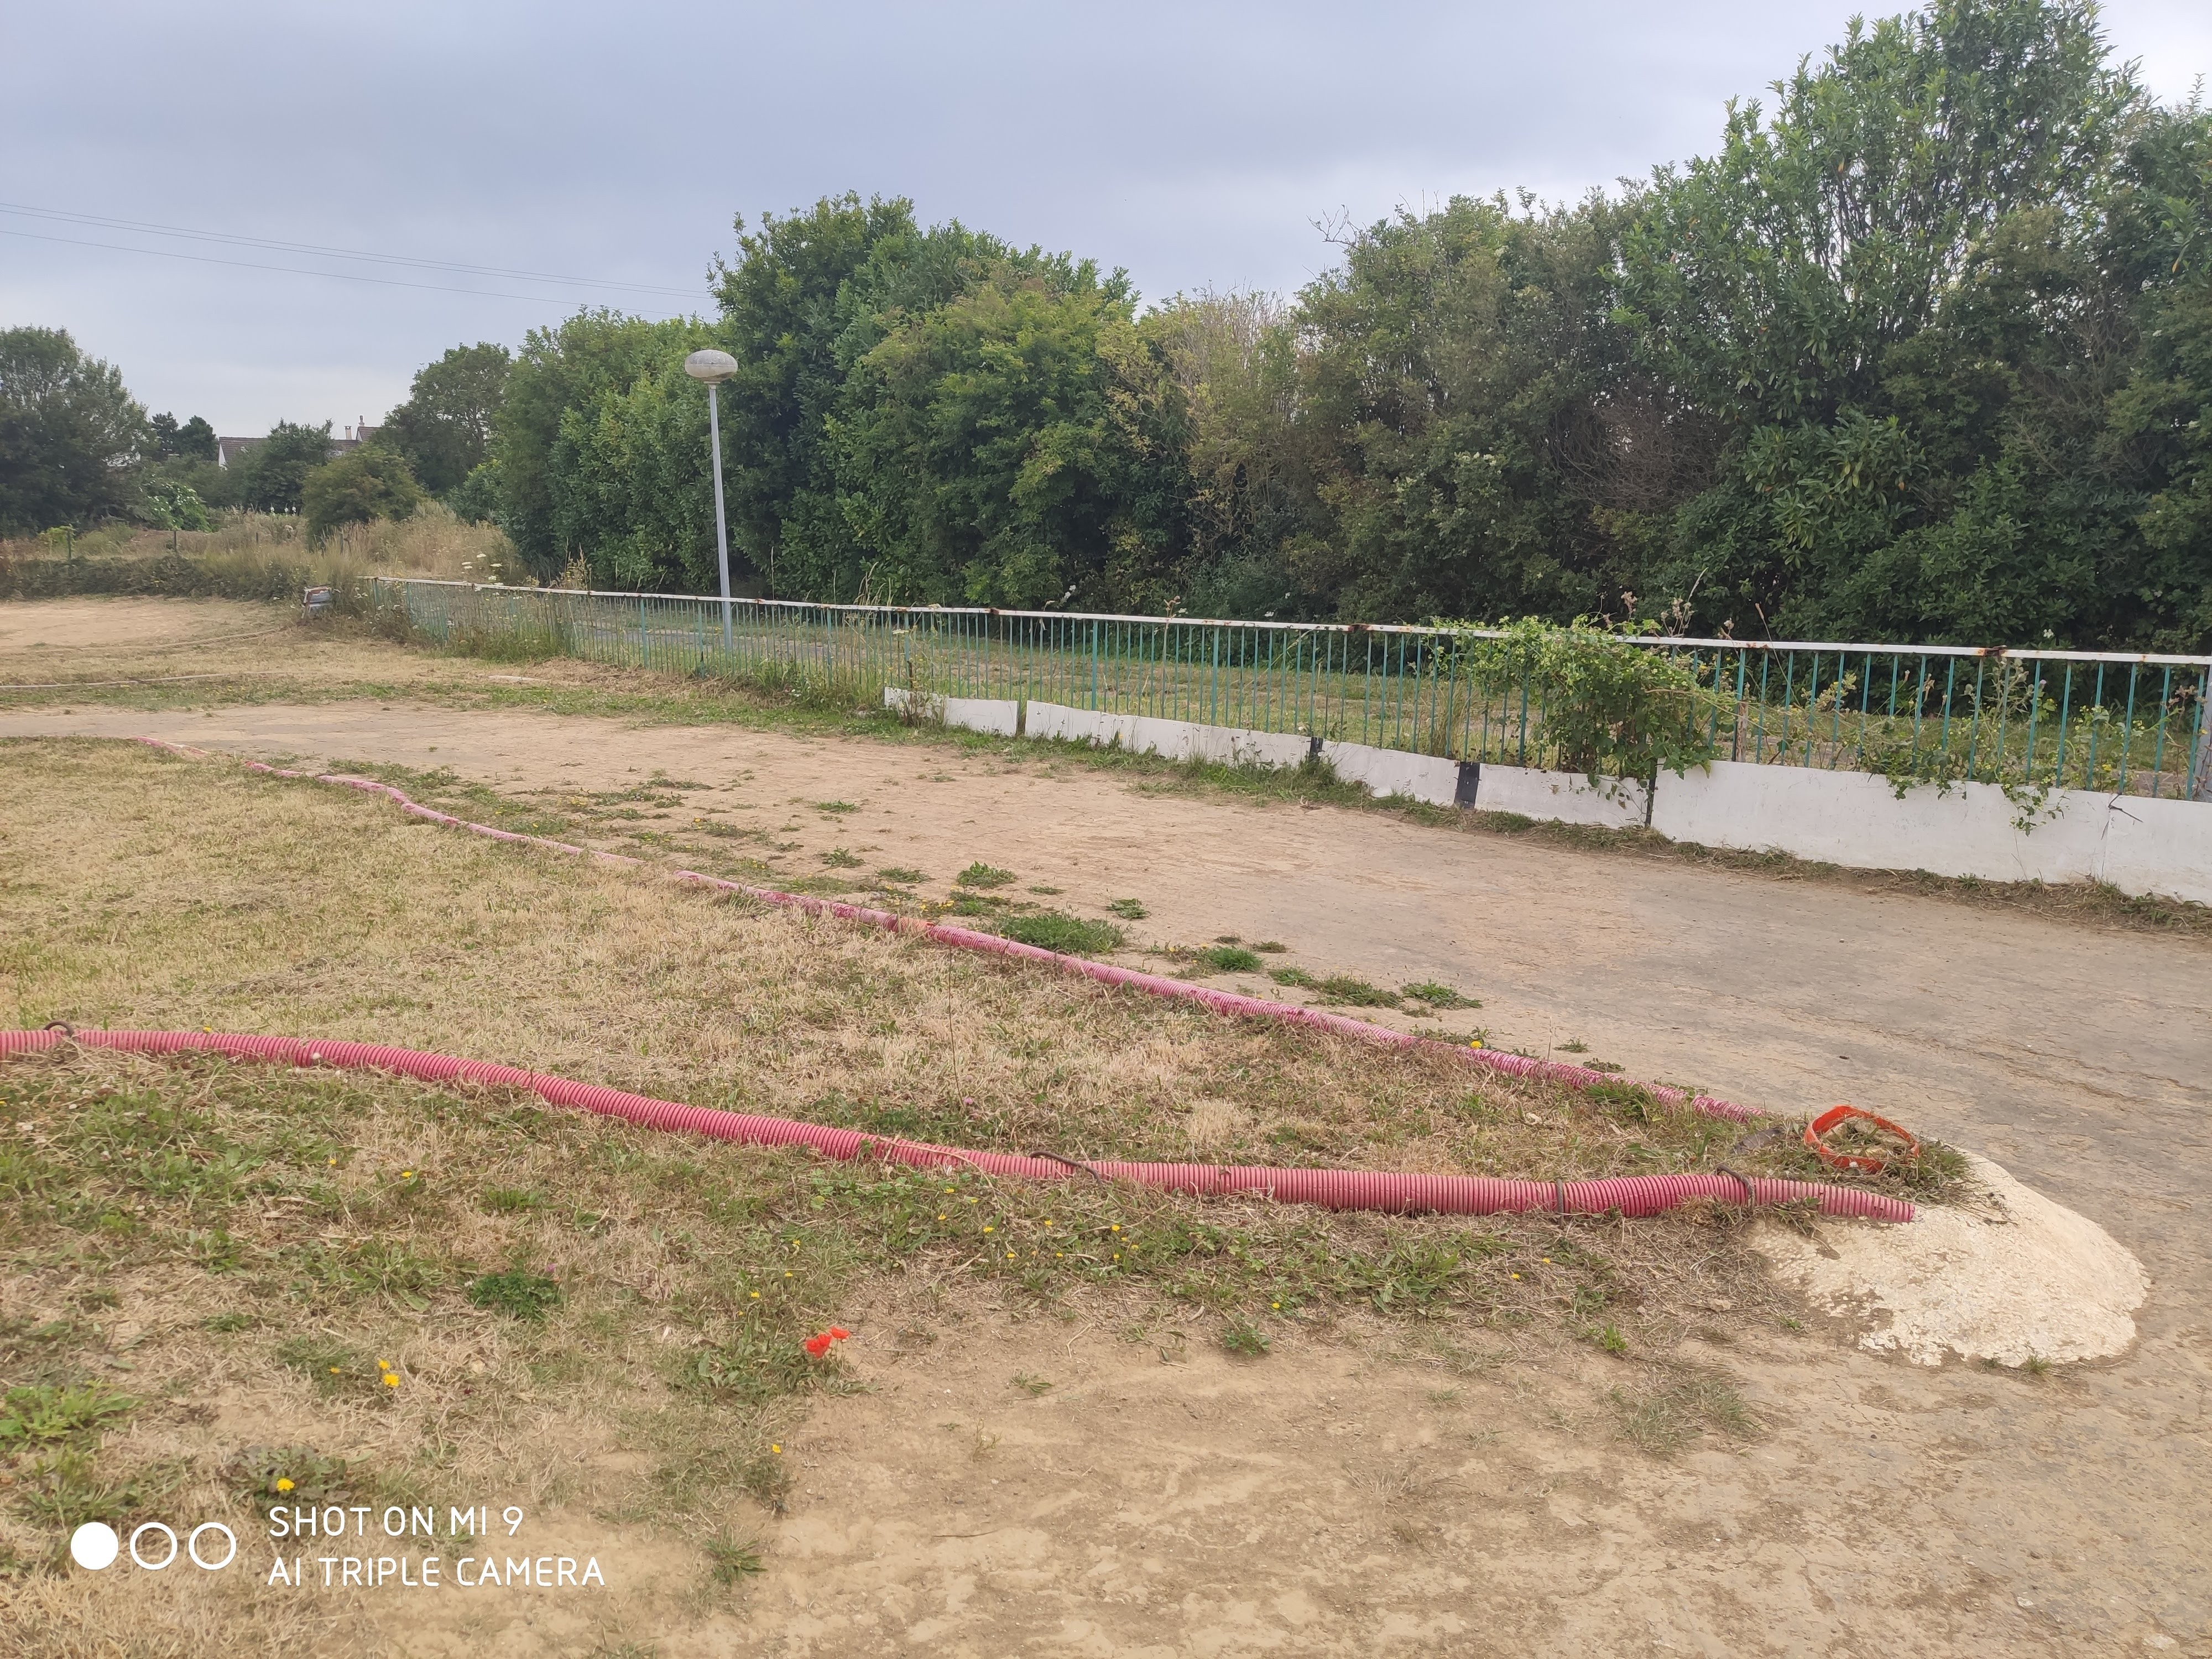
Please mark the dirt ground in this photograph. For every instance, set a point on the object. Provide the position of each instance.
(31, 633)
(1382, 1497)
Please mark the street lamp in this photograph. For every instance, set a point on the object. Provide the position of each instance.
(714, 367)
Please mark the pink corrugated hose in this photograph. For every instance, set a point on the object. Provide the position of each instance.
(1335, 1189)
(1635, 1196)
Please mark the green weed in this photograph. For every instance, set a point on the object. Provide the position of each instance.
(979, 874)
(1439, 996)
(1129, 909)
(1356, 993)
(518, 1294)
(729, 1559)
(1242, 1336)
(1069, 935)
(46, 1415)
(1229, 959)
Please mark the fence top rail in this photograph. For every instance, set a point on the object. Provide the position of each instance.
(2009, 653)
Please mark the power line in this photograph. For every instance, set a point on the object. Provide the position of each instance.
(296, 271)
(99, 222)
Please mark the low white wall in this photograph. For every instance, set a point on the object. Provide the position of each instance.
(1173, 739)
(1855, 818)
(999, 716)
(1429, 778)
(1851, 818)
(1564, 796)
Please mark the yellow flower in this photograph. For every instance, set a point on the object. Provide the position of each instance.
(384, 1364)
(283, 1484)
(755, 1296)
(391, 1379)
(1517, 1275)
(1277, 1306)
(777, 1449)
(1117, 1226)
(990, 1230)
(334, 1370)
(407, 1174)
(940, 1216)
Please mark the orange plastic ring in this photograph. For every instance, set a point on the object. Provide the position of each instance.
(1828, 1155)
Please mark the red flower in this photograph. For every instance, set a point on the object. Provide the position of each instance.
(819, 1344)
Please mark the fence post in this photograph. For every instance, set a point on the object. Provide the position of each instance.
(2200, 762)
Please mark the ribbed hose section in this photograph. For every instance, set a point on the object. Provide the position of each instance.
(1334, 1190)
(965, 939)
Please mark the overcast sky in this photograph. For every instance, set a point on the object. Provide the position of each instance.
(1193, 144)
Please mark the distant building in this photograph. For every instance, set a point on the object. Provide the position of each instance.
(230, 451)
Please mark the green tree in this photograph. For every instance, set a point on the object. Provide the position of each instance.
(444, 429)
(193, 440)
(786, 306)
(559, 370)
(1888, 293)
(1018, 444)
(272, 473)
(362, 485)
(1468, 438)
(632, 486)
(69, 434)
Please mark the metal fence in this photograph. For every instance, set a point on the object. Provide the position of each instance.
(2109, 721)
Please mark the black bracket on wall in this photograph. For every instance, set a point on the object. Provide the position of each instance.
(1470, 777)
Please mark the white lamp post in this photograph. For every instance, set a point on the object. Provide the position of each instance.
(714, 367)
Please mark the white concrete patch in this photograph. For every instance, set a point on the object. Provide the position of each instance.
(1428, 778)
(1855, 818)
(2033, 1281)
(1563, 797)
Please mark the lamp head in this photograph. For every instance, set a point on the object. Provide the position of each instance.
(710, 366)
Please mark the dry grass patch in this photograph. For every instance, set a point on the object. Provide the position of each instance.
(221, 1276)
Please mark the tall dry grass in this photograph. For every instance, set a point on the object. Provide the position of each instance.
(430, 543)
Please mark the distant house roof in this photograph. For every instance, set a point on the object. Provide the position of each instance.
(228, 451)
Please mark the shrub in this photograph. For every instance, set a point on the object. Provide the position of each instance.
(365, 483)
(1610, 705)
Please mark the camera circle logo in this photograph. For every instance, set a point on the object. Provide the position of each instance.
(153, 1546)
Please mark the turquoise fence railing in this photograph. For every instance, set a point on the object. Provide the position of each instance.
(2126, 724)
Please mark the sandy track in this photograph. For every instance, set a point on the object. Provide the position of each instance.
(1151, 1507)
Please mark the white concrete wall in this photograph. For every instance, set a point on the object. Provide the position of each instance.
(1855, 818)
(1428, 778)
(998, 715)
(1563, 797)
(1851, 818)
(1173, 739)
